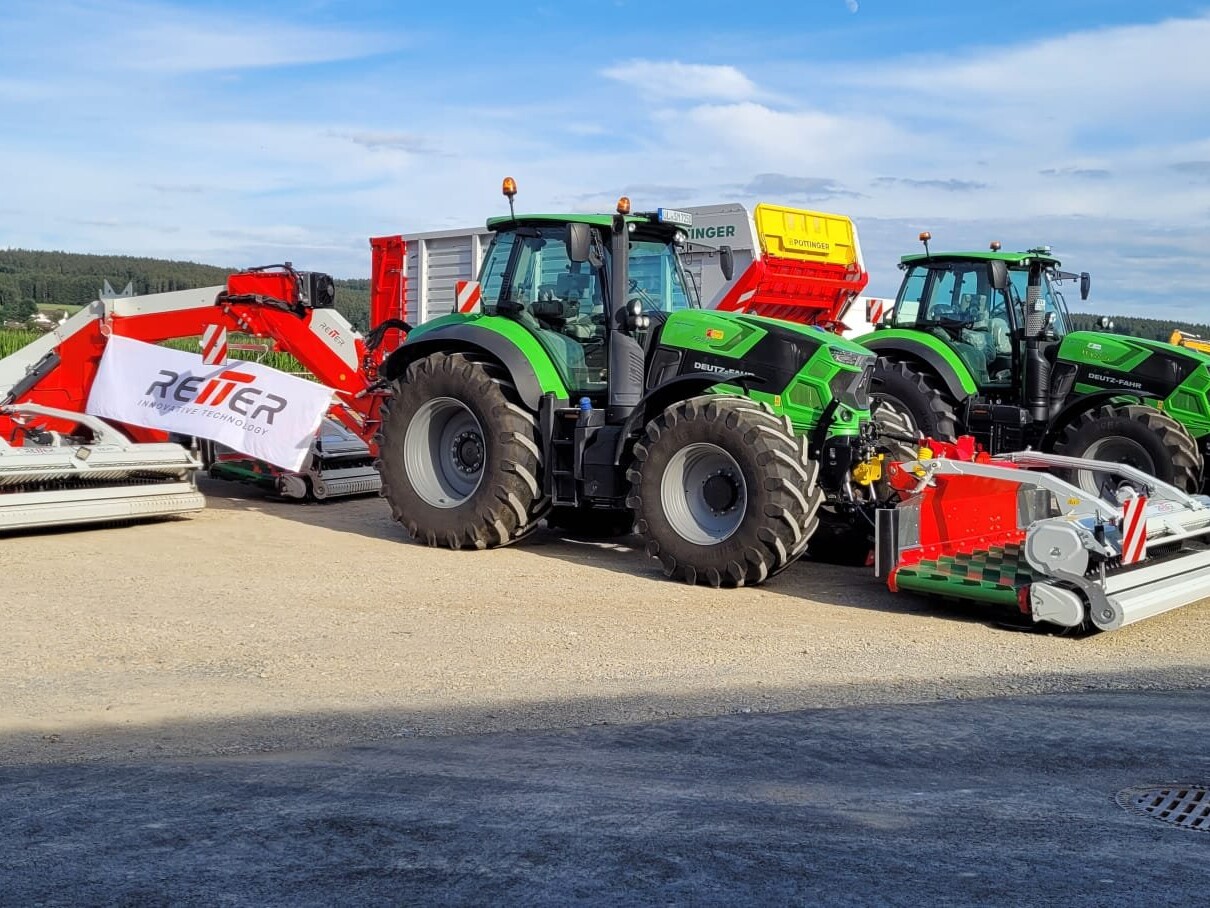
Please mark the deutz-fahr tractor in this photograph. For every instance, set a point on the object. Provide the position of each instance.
(592, 390)
(979, 343)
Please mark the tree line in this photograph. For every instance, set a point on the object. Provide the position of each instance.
(1137, 326)
(33, 280)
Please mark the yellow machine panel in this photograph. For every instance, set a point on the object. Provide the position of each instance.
(813, 236)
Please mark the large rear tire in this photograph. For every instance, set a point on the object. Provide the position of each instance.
(909, 401)
(460, 458)
(723, 491)
(1140, 436)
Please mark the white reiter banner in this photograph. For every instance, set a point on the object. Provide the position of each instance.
(250, 408)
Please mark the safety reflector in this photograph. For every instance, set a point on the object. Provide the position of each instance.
(214, 346)
(1134, 530)
(468, 294)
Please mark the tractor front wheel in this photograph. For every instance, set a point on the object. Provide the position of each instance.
(459, 457)
(910, 402)
(1142, 437)
(723, 491)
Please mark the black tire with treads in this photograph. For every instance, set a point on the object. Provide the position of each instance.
(782, 490)
(918, 394)
(508, 502)
(1171, 455)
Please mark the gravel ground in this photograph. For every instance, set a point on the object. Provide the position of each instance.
(258, 625)
(1008, 802)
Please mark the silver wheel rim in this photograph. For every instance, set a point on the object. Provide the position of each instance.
(704, 494)
(1122, 450)
(443, 452)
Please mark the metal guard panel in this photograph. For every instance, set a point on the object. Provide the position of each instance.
(531, 367)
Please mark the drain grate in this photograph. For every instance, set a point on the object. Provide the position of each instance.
(1185, 806)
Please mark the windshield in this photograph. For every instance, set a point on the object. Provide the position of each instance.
(940, 294)
(947, 293)
(530, 265)
(657, 277)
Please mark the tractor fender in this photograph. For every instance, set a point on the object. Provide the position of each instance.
(662, 396)
(1082, 403)
(957, 381)
(463, 338)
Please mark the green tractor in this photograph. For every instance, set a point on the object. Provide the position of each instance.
(592, 390)
(979, 343)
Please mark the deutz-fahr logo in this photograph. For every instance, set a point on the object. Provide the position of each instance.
(709, 367)
(230, 396)
(1115, 380)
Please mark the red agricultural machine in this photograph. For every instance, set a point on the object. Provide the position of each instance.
(70, 468)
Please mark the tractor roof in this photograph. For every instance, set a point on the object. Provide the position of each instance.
(1019, 259)
(596, 220)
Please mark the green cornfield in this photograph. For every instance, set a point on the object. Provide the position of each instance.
(12, 340)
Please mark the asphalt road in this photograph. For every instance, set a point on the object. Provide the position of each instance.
(1008, 801)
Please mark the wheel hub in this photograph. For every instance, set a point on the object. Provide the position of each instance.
(467, 452)
(444, 452)
(703, 493)
(720, 492)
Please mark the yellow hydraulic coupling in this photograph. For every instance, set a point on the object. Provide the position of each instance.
(870, 471)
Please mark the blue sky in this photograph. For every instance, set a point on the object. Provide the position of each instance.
(247, 133)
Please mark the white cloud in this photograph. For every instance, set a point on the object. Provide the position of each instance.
(1001, 142)
(204, 45)
(678, 81)
(1099, 75)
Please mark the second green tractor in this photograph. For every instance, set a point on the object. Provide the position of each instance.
(592, 391)
(980, 343)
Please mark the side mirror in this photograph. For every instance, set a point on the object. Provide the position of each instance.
(578, 238)
(726, 261)
(997, 274)
(1085, 284)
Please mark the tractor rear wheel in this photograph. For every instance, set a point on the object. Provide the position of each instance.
(459, 457)
(723, 491)
(910, 402)
(1142, 437)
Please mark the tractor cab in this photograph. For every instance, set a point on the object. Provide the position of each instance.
(984, 306)
(583, 285)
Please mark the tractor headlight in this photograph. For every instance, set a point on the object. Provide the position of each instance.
(849, 357)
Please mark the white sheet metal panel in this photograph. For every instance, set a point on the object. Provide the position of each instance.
(729, 224)
(435, 260)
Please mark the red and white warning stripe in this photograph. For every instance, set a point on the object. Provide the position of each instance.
(214, 345)
(1134, 530)
(468, 294)
(874, 310)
